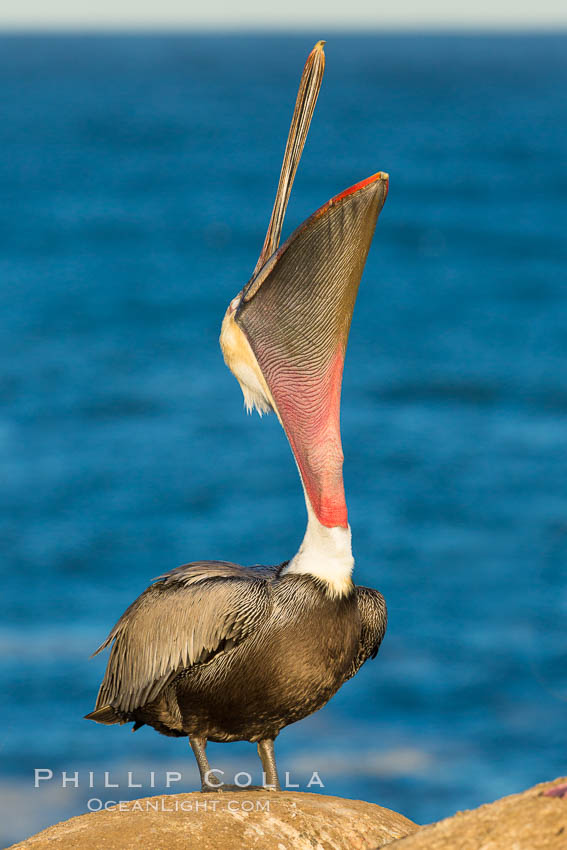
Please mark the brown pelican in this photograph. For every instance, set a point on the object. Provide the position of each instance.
(216, 651)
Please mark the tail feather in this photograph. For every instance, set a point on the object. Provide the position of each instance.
(106, 714)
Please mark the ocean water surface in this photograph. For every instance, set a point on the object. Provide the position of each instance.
(136, 180)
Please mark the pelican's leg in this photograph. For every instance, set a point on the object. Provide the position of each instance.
(266, 753)
(209, 782)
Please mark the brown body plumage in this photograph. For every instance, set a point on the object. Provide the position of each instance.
(243, 652)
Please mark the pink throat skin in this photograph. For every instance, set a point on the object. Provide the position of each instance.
(309, 408)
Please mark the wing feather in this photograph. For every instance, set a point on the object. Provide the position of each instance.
(186, 617)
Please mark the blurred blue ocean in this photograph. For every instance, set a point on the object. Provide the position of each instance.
(136, 180)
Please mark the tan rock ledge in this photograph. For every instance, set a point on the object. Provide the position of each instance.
(532, 820)
(243, 820)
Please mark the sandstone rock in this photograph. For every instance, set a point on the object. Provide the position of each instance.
(533, 820)
(229, 821)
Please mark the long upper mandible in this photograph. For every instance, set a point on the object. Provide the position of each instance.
(309, 87)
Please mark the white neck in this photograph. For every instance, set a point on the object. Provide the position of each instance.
(326, 554)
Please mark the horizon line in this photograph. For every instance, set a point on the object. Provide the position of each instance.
(371, 29)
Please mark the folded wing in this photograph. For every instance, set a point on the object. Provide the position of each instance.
(186, 617)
